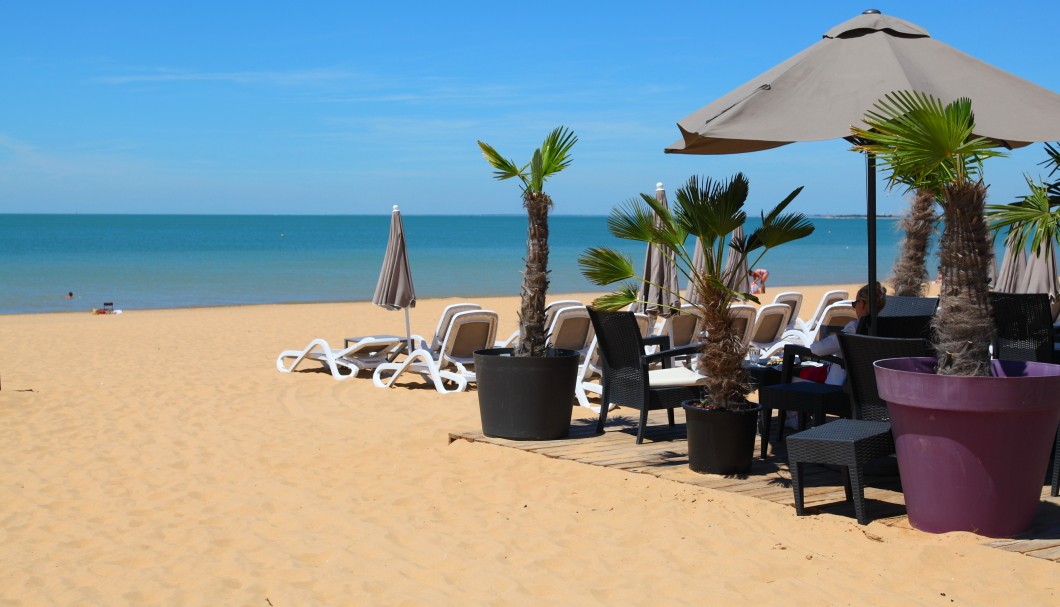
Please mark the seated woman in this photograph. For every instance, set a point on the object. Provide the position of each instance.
(830, 345)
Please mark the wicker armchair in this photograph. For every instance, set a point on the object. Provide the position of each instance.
(627, 379)
(1023, 326)
(853, 443)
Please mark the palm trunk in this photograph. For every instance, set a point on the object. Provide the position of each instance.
(535, 278)
(726, 381)
(963, 325)
(910, 271)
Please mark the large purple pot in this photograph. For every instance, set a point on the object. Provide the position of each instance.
(972, 451)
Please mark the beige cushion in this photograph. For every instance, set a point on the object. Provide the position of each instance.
(674, 377)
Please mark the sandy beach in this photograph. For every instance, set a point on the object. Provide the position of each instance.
(158, 457)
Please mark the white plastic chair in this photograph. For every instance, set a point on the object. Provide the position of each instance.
(770, 325)
(365, 354)
(793, 299)
(835, 317)
(827, 299)
(468, 331)
(743, 321)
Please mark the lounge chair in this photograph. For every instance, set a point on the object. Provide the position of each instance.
(366, 353)
(793, 299)
(834, 318)
(683, 329)
(419, 342)
(770, 325)
(829, 298)
(743, 320)
(550, 318)
(468, 331)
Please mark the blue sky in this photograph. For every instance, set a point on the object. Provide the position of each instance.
(349, 108)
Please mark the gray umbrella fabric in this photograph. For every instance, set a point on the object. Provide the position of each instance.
(1040, 276)
(394, 290)
(1013, 267)
(660, 288)
(736, 278)
(819, 93)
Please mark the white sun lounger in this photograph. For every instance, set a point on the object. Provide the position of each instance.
(366, 353)
(468, 331)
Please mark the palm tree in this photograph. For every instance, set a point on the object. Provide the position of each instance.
(712, 211)
(918, 224)
(1036, 216)
(552, 157)
(923, 144)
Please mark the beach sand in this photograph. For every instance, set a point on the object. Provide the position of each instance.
(158, 457)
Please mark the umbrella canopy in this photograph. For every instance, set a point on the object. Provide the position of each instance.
(1013, 267)
(819, 93)
(660, 287)
(394, 290)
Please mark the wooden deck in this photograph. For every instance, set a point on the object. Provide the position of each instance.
(663, 454)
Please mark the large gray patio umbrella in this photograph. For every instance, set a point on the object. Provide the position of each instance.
(819, 93)
(394, 290)
(659, 271)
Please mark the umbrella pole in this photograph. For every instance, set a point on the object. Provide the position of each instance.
(408, 332)
(870, 196)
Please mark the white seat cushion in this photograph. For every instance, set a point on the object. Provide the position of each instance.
(674, 377)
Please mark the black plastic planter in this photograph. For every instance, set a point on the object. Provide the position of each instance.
(524, 398)
(721, 441)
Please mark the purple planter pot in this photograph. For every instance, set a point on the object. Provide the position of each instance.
(972, 451)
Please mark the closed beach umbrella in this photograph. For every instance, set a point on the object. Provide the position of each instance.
(735, 274)
(819, 93)
(394, 290)
(1013, 267)
(1040, 276)
(660, 288)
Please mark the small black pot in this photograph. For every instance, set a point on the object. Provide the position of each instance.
(525, 398)
(721, 441)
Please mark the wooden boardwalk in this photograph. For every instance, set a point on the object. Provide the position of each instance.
(663, 454)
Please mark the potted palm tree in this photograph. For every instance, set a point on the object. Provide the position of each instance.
(526, 392)
(972, 435)
(710, 211)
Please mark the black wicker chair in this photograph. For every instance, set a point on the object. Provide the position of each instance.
(806, 398)
(1023, 330)
(627, 380)
(1023, 326)
(907, 317)
(853, 443)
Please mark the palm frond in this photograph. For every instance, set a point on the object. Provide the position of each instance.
(555, 151)
(632, 220)
(617, 300)
(1034, 217)
(506, 168)
(921, 143)
(604, 266)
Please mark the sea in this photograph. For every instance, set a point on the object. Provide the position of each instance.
(139, 262)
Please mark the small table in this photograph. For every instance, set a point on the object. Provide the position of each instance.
(762, 375)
